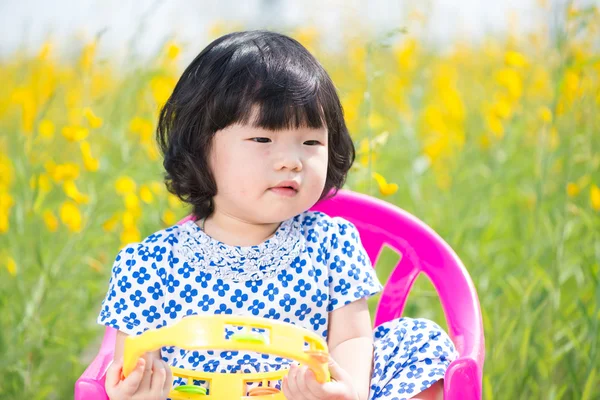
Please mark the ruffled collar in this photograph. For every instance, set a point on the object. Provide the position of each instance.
(241, 263)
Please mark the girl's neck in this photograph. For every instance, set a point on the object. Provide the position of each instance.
(236, 232)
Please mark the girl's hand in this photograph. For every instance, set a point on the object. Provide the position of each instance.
(150, 380)
(301, 384)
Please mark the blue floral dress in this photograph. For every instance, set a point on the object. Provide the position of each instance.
(312, 265)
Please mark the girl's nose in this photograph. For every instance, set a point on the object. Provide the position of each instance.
(289, 161)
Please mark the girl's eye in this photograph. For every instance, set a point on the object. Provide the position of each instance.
(261, 140)
(312, 143)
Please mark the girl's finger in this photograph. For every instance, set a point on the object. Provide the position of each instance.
(302, 386)
(313, 386)
(337, 372)
(113, 374)
(131, 384)
(168, 379)
(159, 374)
(147, 376)
(285, 388)
(293, 391)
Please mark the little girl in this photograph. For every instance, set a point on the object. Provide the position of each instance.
(253, 136)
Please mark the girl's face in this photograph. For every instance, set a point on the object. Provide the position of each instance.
(264, 176)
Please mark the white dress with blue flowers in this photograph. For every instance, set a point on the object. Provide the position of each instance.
(312, 265)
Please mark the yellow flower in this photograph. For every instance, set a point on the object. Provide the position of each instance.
(146, 194)
(71, 191)
(571, 85)
(161, 87)
(595, 197)
(152, 151)
(380, 139)
(6, 200)
(572, 189)
(530, 201)
(510, 79)
(4, 224)
(405, 54)
(554, 138)
(584, 181)
(89, 162)
(436, 148)
(157, 187)
(128, 219)
(542, 3)
(132, 202)
(169, 217)
(540, 84)
(545, 114)
(46, 128)
(494, 124)
(110, 224)
(73, 98)
(63, 172)
(375, 121)
(94, 121)
(572, 12)
(143, 127)
(125, 185)
(95, 264)
(45, 51)
(364, 152)
(484, 142)
(130, 235)
(174, 201)
(557, 167)
(25, 97)
(434, 119)
(71, 216)
(87, 55)
(6, 172)
(502, 107)
(351, 105)
(44, 183)
(453, 103)
(385, 188)
(515, 59)
(50, 220)
(75, 133)
(307, 36)
(75, 115)
(443, 180)
(217, 28)
(172, 50)
(11, 266)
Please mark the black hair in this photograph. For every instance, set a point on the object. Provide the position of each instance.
(233, 75)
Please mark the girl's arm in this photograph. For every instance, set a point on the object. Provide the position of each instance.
(350, 341)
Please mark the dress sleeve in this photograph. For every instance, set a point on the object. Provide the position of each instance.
(135, 297)
(351, 275)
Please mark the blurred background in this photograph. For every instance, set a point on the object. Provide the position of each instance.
(481, 118)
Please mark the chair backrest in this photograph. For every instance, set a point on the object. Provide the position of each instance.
(423, 251)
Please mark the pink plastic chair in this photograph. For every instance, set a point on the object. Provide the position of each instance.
(423, 251)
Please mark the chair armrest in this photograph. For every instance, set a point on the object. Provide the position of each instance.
(90, 385)
(463, 380)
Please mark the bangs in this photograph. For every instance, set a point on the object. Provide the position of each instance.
(273, 87)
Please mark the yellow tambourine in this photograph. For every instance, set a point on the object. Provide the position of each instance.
(209, 332)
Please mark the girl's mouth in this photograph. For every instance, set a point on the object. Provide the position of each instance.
(285, 191)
